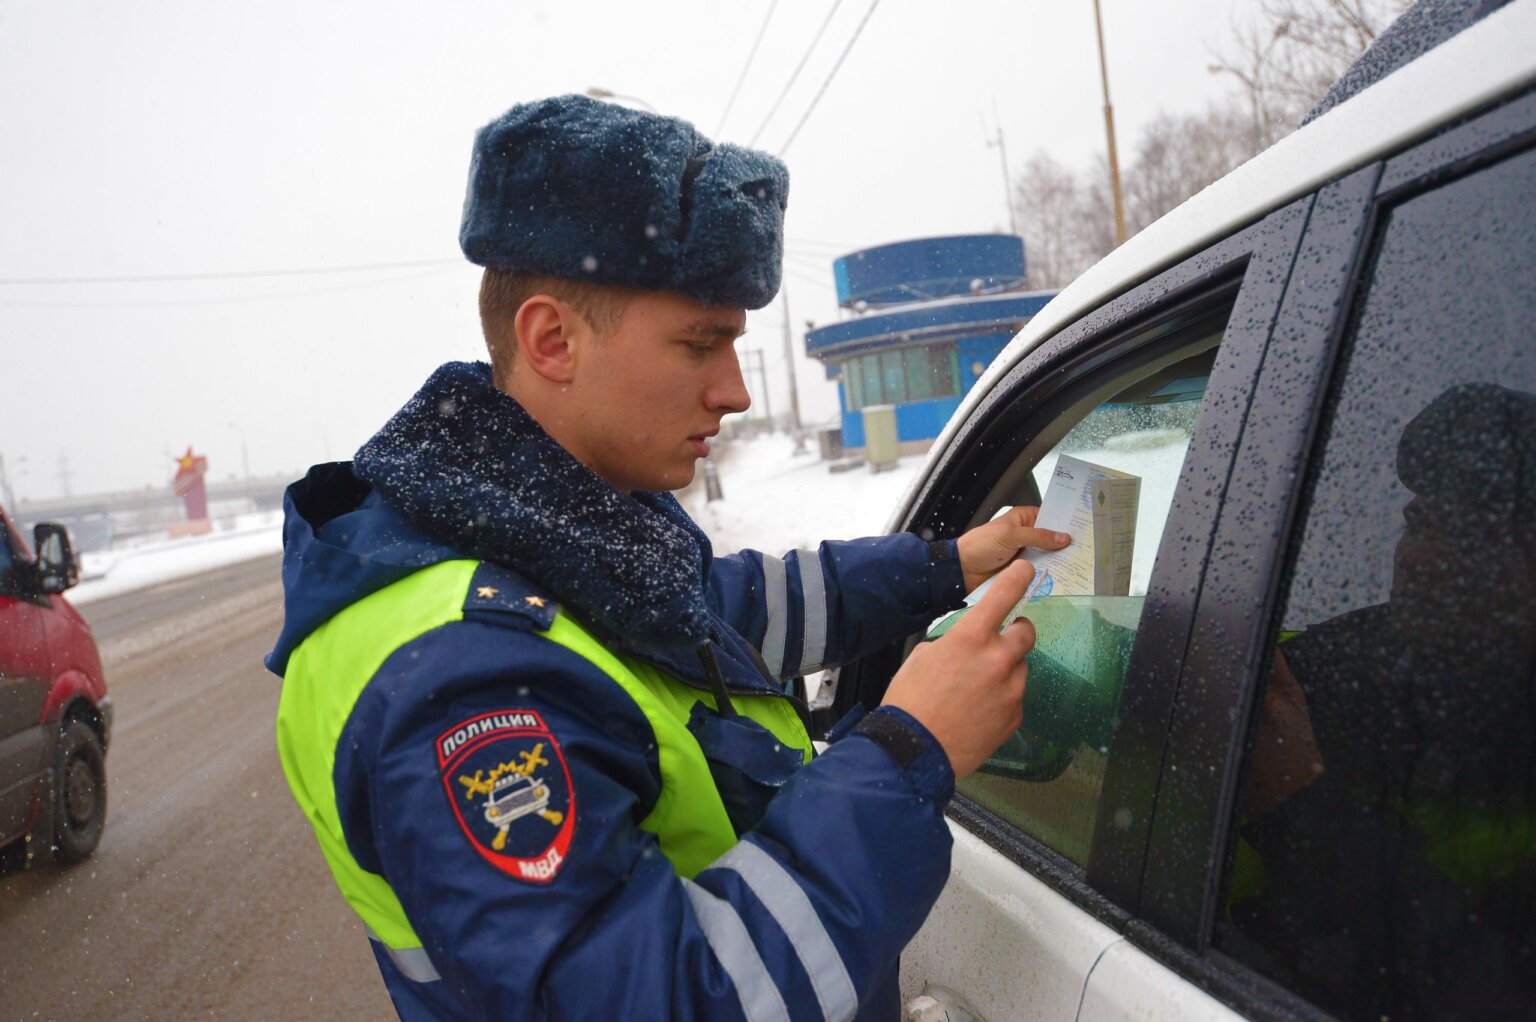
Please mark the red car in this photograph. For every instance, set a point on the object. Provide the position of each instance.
(55, 714)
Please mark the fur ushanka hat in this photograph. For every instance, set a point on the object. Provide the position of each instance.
(576, 188)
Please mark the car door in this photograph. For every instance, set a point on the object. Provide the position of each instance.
(25, 674)
(1346, 817)
(1051, 831)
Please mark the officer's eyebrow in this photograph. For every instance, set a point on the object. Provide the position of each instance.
(712, 329)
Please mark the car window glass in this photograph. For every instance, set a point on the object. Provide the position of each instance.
(1046, 778)
(1384, 860)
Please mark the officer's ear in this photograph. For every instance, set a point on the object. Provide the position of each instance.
(548, 332)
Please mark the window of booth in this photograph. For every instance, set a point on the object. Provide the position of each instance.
(901, 375)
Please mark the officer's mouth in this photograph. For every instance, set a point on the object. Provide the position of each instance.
(700, 443)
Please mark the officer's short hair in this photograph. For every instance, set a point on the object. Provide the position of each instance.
(502, 294)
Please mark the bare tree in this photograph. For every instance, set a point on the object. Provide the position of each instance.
(1067, 218)
(1285, 60)
(1053, 211)
(1179, 154)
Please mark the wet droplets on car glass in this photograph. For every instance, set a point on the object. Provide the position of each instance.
(1386, 856)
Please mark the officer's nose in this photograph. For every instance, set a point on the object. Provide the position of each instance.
(728, 391)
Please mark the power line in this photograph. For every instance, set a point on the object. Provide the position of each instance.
(798, 68)
(820, 279)
(218, 301)
(819, 261)
(844, 245)
(835, 67)
(751, 54)
(156, 278)
(809, 278)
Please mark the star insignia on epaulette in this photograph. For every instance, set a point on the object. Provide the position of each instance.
(534, 601)
(487, 592)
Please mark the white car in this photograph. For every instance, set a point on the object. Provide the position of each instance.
(1292, 772)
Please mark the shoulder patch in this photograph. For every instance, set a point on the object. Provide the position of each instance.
(498, 591)
(511, 792)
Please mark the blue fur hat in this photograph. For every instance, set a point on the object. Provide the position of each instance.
(576, 188)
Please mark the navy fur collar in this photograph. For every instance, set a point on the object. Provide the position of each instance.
(465, 463)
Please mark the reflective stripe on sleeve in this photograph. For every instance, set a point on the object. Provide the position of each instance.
(732, 945)
(814, 616)
(776, 593)
(792, 910)
(412, 962)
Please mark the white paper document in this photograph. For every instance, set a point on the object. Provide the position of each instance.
(1097, 507)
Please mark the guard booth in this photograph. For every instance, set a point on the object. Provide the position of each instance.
(921, 321)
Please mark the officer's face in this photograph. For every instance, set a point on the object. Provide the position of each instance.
(651, 391)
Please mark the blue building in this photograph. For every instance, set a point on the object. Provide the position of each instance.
(924, 319)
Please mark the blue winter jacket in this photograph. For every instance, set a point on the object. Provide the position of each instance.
(828, 882)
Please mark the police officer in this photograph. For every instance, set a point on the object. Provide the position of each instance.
(541, 732)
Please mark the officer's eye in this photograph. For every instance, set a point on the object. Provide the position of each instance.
(701, 349)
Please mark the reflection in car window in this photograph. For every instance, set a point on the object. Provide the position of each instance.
(1385, 861)
(1047, 778)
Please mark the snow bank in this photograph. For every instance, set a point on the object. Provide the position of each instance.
(144, 564)
(776, 501)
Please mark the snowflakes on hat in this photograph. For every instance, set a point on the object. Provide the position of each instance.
(510, 790)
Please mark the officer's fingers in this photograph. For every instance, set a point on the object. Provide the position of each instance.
(1043, 539)
(1019, 637)
(1019, 531)
(1020, 515)
(1006, 590)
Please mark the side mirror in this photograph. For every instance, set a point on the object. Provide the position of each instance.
(56, 567)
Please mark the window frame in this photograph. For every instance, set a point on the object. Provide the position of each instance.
(893, 376)
(1250, 265)
(853, 384)
(1189, 851)
(16, 567)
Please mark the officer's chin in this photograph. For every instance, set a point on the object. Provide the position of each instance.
(673, 477)
(684, 478)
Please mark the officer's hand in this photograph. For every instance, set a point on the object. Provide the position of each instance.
(986, 548)
(967, 687)
(1285, 757)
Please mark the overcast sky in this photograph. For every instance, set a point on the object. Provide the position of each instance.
(173, 138)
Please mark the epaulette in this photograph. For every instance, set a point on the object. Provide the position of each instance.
(497, 593)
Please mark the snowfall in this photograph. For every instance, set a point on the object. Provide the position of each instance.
(772, 499)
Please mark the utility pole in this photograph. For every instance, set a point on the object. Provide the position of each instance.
(789, 367)
(1109, 129)
(1002, 149)
(754, 359)
(245, 458)
(5, 487)
(64, 473)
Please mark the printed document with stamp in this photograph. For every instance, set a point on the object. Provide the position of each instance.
(1096, 506)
